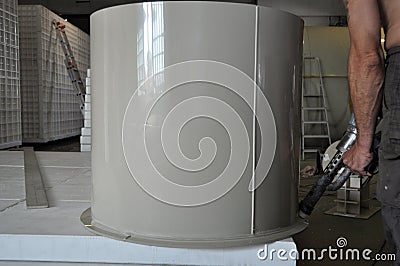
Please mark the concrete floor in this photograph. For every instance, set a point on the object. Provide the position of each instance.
(322, 232)
(324, 229)
(53, 235)
(68, 187)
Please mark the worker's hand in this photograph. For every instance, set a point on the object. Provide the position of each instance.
(357, 158)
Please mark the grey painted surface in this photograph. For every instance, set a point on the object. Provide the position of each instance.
(331, 45)
(193, 31)
(279, 77)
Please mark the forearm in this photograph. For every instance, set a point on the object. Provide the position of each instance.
(366, 76)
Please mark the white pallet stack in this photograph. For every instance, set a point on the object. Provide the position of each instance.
(86, 131)
(50, 107)
(10, 102)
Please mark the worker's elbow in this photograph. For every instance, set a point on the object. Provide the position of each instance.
(367, 58)
(366, 61)
(372, 60)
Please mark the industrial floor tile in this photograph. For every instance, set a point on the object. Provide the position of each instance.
(12, 158)
(53, 176)
(7, 203)
(63, 159)
(61, 218)
(67, 180)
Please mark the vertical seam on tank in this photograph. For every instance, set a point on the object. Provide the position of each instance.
(253, 179)
(105, 101)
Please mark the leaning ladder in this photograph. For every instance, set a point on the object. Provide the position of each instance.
(318, 111)
(70, 62)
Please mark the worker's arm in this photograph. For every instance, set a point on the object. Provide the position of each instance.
(366, 75)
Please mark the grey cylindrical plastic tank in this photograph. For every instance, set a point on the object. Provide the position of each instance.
(180, 129)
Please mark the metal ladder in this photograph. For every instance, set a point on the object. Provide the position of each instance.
(70, 62)
(319, 110)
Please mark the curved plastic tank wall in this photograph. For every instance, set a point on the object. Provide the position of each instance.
(331, 45)
(175, 139)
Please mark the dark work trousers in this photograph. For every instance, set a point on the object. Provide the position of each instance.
(388, 189)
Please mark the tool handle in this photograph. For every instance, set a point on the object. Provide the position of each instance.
(372, 168)
(307, 205)
(339, 182)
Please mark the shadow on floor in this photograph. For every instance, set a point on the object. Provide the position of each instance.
(71, 144)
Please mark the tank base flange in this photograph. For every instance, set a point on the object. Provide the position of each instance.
(259, 238)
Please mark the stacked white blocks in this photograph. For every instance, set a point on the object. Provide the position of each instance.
(50, 107)
(10, 102)
(86, 131)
